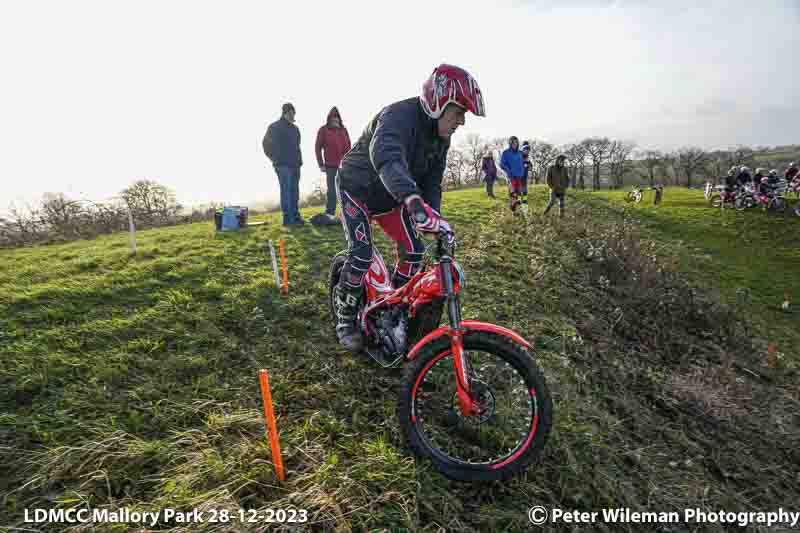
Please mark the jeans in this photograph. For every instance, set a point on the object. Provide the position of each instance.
(330, 207)
(490, 188)
(289, 180)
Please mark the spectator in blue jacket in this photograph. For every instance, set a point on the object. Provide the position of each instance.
(512, 164)
(282, 146)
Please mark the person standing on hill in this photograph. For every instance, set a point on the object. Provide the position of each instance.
(512, 165)
(489, 173)
(526, 164)
(558, 181)
(333, 142)
(744, 176)
(282, 146)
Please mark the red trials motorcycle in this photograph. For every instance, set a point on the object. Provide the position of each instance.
(472, 399)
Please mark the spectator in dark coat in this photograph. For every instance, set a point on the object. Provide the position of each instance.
(489, 173)
(333, 142)
(744, 177)
(282, 146)
(558, 181)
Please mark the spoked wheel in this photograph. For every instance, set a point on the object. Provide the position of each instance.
(777, 206)
(504, 437)
(716, 201)
(743, 202)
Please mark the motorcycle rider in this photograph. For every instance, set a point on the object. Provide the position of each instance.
(730, 181)
(744, 176)
(791, 172)
(396, 169)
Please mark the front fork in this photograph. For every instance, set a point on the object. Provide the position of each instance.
(467, 405)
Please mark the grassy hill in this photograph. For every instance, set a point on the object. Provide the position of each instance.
(132, 381)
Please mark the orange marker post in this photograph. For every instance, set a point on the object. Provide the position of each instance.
(274, 444)
(285, 286)
(771, 359)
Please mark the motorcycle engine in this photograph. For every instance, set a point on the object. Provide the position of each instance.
(392, 330)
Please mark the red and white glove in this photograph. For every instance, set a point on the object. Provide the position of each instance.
(424, 217)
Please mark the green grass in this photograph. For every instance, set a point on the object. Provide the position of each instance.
(727, 250)
(133, 381)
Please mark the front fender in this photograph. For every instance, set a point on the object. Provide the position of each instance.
(467, 325)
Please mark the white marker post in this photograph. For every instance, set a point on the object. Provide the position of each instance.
(275, 266)
(133, 232)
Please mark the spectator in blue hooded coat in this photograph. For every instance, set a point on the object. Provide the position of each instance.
(513, 165)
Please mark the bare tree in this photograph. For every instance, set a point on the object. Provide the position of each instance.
(671, 167)
(742, 156)
(474, 148)
(63, 216)
(598, 149)
(498, 145)
(456, 169)
(691, 160)
(576, 161)
(619, 158)
(652, 159)
(541, 156)
(150, 201)
(719, 162)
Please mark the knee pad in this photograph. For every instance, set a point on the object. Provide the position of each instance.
(358, 262)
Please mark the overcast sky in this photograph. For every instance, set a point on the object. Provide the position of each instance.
(97, 94)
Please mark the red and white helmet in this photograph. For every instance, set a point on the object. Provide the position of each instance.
(451, 84)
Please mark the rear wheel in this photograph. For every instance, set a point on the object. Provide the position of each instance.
(716, 201)
(515, 415)
(743, 202)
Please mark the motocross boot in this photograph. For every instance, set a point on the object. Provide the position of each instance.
(346, 300)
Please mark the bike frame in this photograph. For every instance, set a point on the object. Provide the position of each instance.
(439, 280)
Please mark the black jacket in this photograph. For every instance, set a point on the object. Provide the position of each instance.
(282, 144)
(400, 153)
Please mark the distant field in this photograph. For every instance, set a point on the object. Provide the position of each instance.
(730, 250)
(132, 381)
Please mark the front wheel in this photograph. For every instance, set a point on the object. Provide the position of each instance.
(743, 202)
(515, 415)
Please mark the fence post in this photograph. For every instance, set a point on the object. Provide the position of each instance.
(132, 228)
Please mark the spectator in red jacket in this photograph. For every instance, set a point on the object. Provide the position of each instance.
(333, 142)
